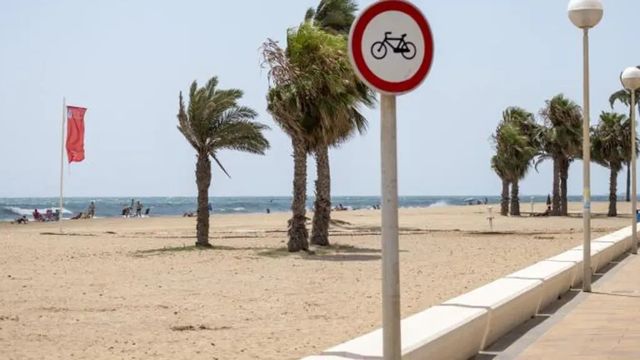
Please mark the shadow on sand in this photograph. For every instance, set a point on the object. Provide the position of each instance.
(185, 248)
(335, 252)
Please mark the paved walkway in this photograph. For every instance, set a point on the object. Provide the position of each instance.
(604, 324)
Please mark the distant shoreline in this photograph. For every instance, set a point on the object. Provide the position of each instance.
(538, 208)
(11, 208)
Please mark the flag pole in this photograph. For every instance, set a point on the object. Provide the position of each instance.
(64, 116)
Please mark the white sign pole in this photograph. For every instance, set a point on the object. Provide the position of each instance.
(390, 257)
(64, 117)
(391, 50)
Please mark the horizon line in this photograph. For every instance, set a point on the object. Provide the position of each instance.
(271, 196)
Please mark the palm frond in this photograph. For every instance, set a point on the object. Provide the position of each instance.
(622, 96)
(336, 15)
(215, 158)
(314, 93)
(214, 121)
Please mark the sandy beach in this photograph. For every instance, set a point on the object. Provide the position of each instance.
(135, 288)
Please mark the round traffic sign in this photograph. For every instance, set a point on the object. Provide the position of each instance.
(391, 46)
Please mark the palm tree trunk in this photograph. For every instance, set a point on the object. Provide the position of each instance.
(515, 200)
(613, 188)
(555, 203)
(504, 201)
(628, 195)
(203, 181)
(564, 176)
(298, 235)
(322, 205)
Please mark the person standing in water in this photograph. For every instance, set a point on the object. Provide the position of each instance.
(139, 209)
(91, 212)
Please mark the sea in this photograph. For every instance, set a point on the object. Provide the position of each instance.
(11, 208)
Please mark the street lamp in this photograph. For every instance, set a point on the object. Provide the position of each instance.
(586, 14)
(630, 79)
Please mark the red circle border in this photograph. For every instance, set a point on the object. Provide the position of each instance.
(355, 44)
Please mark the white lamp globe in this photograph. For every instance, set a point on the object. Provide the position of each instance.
(585, 14)
(630, 78)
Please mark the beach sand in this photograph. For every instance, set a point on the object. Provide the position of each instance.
(135, 289)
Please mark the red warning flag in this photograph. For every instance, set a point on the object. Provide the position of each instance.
(75, 133)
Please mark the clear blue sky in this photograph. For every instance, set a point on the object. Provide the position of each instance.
(127, 60)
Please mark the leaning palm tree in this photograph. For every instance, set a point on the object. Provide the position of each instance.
(215, 121)
(333, 131)
(344, 99)
(608, 148)
(309, 81)
(516, 146)
(562, 142)
(287, 93)
(624, 96)
(283, 104)
(525, 145)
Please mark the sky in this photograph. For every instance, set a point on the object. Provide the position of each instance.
(126, 61)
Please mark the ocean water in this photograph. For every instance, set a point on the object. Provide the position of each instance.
(11, 208)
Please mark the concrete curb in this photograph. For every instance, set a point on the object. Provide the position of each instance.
(461, 327)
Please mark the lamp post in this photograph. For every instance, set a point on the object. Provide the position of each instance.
(630, 79)
(586, 14)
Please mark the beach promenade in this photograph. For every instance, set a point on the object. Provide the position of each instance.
(604, 324)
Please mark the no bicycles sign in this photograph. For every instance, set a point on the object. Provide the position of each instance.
(391, 46)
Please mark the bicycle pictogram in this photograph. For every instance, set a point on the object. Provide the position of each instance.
(405, 48)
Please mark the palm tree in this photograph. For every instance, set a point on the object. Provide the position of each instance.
(623, 96)
(334, 17)
(608, 148)
(333, 132)
(312, 84)
(498, 164)
(516, 147)
(561, 140)
(283, 104)
(285, 99)
(214, 121)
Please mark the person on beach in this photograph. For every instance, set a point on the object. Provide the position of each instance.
(545, 213)
(139, 209)
(126, 211)
(91, 211)
(21, 220)
(37, 216)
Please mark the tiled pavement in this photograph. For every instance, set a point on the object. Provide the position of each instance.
(604, 324)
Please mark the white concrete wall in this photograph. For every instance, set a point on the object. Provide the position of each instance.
(464, 325)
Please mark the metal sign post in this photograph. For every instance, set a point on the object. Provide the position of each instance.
(391, 50)
(390, 247)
